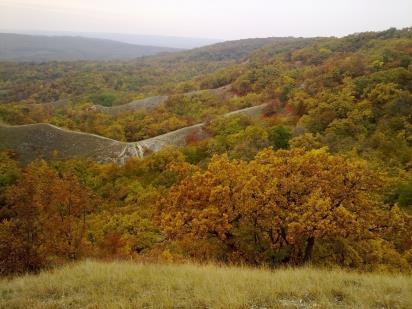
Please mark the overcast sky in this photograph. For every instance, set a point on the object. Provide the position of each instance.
(221, 19)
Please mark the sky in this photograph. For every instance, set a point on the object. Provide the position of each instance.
(218, 19)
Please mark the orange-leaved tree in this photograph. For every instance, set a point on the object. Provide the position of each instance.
(275, 208)
(49, 219)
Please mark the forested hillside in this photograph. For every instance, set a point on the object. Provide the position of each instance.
(37, 48)
(118, 82)
(321, 175)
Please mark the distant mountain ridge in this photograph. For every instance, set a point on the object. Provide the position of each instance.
(137, 39)
(20, 47)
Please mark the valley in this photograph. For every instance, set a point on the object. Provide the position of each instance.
(254, 173)
(50, 142)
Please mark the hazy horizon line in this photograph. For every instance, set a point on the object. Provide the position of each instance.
(27, 31)
(24, 31)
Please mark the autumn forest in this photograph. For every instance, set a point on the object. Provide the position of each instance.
(321, 175)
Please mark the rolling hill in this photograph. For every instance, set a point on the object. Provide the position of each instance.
(19, 47)
(144, 75)
(137, 39)
(47, 141)
(236, 49)
(151, 103)
(292, 187)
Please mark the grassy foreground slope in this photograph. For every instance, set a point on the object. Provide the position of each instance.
(128, 285)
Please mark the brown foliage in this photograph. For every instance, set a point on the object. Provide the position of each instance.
(192, 138)
(49, 219)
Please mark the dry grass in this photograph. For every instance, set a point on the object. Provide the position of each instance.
(128, 285)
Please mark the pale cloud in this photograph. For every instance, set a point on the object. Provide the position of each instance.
(228, 19)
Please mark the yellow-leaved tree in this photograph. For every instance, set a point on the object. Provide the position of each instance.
(276, 208)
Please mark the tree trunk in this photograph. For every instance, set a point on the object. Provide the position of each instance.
(309, 249)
